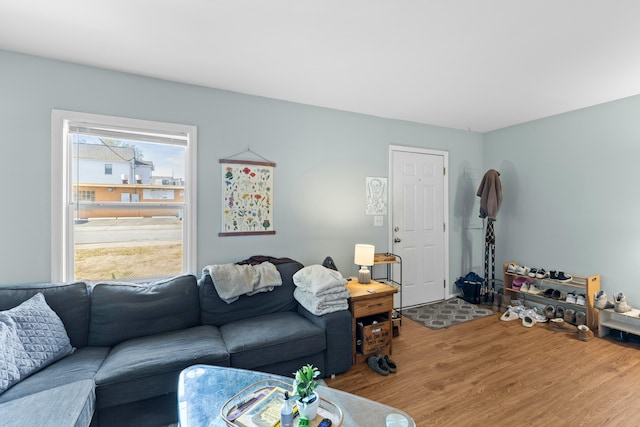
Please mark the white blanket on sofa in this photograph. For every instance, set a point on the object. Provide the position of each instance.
(233, 280)
(333, 300)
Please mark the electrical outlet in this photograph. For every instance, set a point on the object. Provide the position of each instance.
(377, 220)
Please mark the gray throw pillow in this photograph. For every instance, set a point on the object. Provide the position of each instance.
(11, 350)
(41, 333)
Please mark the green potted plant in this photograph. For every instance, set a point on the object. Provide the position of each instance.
(304, 386)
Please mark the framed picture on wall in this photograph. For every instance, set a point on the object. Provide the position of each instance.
(247, 197)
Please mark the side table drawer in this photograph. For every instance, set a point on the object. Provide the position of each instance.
(372, 306)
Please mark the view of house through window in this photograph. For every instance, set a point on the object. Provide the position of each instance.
(125, 202)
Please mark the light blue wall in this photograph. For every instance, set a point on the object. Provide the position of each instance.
(570, 195)
(322, 156)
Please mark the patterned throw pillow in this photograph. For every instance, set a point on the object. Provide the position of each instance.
(41, 333)
(11, 350)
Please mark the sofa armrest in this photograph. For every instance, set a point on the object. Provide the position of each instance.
(337, 326)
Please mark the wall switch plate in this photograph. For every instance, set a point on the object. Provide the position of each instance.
(377, 220)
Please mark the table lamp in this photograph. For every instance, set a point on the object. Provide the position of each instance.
(364, 257)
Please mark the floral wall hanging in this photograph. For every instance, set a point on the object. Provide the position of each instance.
(247, 197)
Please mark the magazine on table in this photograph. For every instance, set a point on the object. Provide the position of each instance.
(265, 410)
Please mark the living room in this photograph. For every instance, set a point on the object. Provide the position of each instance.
(566, 178)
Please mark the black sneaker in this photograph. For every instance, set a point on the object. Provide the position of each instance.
(561, 277)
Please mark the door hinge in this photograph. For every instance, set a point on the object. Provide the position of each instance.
(444, 171)
(444, 283)
(444, 226)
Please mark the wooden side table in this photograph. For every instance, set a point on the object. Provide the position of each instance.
(372, 299)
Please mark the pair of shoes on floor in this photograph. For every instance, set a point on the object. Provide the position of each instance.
(559, 325)
(601, 300)
(584, 333)
(382, 364)
(620, 304)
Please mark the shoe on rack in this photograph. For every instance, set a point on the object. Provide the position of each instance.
(620, 336)
(548, 293)
(561, 277)
(519, 282)
(542, 274)
(509, 315)
(550, 311)
(584, 333)
(571, 298)
(532, 272)
(512, 268)
(620, 304)
(581, 318)
(534, 290)
(559, 325)
(378, 364)
(525, 287)
(581, 300)
(570, 315)
(560, 312)
(601, 300)
(523, 270)
(528, 321)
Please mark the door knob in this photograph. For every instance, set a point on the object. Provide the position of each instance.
(397, 240)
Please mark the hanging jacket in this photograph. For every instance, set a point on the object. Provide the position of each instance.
(490, 193)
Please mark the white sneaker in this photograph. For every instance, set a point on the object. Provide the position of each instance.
(528, 322)
(571, 298)
(512, 268)
(524, 287)
(509, 315)
(580, 300)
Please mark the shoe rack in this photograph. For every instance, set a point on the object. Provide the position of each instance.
(392, 265)
(587, 285)
(625, 322)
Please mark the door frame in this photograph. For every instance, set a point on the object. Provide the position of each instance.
(445, 214)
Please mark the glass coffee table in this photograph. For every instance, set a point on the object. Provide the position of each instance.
(204, 389)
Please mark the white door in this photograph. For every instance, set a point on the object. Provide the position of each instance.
(418, 229)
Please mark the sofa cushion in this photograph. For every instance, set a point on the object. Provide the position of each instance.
(41, 332)
(69, 405)
(121, 311)
(70, 301)
(11, 350)
(81, 365)
(214, 311)
(271, 338)
(149, 366)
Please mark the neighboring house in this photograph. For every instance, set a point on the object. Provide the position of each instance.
(105, 164)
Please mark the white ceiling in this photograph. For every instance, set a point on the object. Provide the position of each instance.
(468, 64)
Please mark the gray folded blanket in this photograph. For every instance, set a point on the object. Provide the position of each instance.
(335, 299)
(233, 280)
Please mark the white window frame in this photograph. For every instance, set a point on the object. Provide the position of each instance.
(62, 213)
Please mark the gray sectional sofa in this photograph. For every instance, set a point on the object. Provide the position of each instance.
(132, 340)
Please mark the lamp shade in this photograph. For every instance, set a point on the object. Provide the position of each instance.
(364, 254)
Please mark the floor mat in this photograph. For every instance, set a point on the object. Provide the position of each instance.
(445, 313)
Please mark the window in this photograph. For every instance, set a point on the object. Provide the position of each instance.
(107, 226)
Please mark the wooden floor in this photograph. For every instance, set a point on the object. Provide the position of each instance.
(487, 372)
